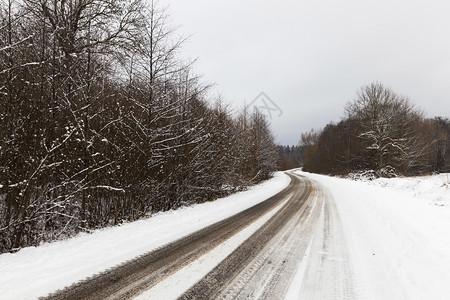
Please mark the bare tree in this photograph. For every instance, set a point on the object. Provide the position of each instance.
(387, 127)
(309, 138)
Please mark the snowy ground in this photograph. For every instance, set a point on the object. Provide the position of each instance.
(36, 271)
(397, 234)
(433, 190)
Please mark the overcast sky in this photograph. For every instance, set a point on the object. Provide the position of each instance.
(311, 56)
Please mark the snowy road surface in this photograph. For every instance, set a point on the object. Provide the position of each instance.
(230, 258)
(319, 238)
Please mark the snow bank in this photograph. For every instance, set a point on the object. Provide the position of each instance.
(398, 238)
(435, 189)
(36, 271)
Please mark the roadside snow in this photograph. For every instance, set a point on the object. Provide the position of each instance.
(37, 271)
(397, 232)
(434, 189)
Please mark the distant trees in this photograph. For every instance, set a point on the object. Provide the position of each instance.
(102, 122)
(382, 131)
(290, 157)
(437, 130)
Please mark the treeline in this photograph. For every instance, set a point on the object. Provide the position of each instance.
(383, 133)
(102, 122)
(290, 157)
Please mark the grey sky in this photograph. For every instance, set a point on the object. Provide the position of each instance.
(311, 56)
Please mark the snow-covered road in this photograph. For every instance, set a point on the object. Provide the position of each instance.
(346, 240)
(34, 272)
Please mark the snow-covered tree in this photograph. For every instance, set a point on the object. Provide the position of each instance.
(386, 121)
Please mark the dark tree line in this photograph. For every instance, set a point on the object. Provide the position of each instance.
(290, 157)
(381, 132)
(103, 122)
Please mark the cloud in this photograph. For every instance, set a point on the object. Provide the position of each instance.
(311, 56)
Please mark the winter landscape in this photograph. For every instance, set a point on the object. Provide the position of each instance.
(126, 174)
(394, 232)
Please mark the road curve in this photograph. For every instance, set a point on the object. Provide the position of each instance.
(298, 253)
(132, 277)
(262, 267)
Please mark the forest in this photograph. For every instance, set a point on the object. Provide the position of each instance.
(383, 135)
(102, 121)
(290, 157)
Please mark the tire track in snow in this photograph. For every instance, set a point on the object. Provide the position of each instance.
(269, 274)
(266, 265)
(328, 273)
(301, 221)
(252, 269)
(132, 277)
